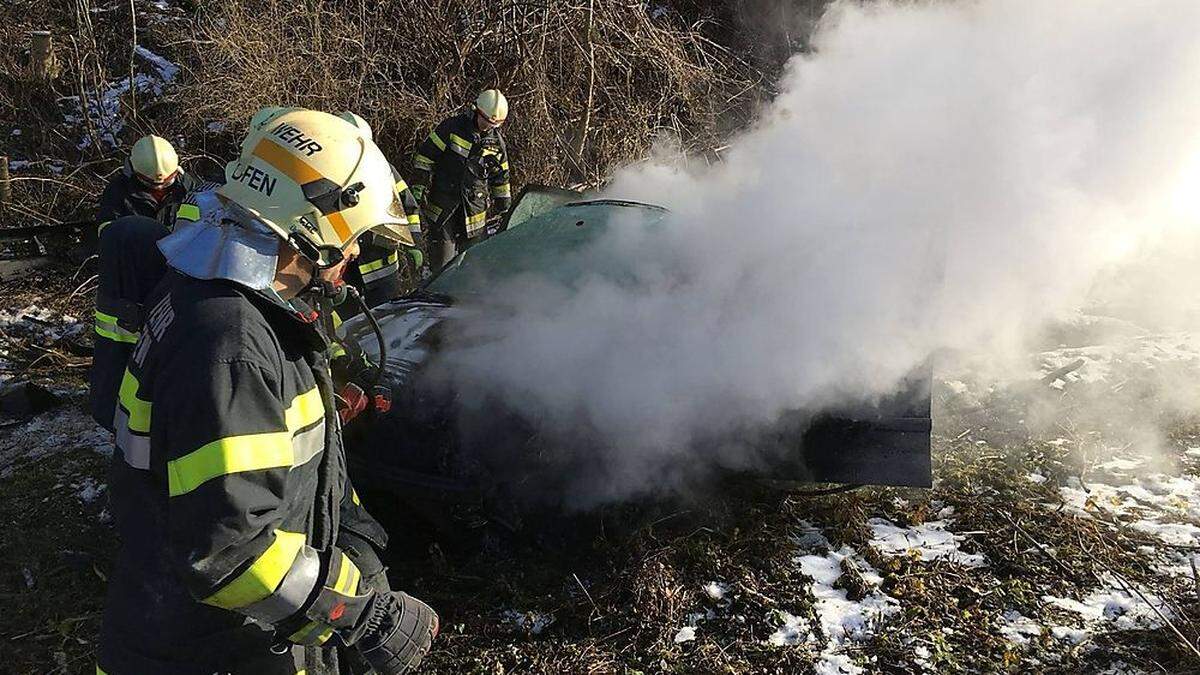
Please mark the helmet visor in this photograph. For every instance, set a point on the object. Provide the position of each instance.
(149, 182)
(395, 229)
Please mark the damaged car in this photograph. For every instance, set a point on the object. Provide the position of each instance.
(440, 449)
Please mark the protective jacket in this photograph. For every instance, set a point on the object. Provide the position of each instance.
(376, 273)
(130, 266)
(126, 195)
(464, 168)
(228, 488)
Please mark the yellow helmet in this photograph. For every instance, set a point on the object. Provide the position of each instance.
(492, 105)
(359, 122)
(154, 160)
(318, 182)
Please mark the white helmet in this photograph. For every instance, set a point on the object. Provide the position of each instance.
(318, 182)
(359, 122)
(261, 118)
(154, 160)
(492, 105)
(267, 114)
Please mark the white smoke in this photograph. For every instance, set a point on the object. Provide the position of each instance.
(1027, 145)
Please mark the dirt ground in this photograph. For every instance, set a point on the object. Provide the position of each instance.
(1060, 535)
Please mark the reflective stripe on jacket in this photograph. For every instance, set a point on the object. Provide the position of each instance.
(226, 486)
(129, 268)
(467, 164)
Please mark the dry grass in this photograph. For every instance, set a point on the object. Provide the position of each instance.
(592, 84)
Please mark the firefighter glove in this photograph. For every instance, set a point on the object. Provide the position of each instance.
(397, 633)
(417, 257)
(351, 401)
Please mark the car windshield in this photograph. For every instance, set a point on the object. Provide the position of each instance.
(553, 246)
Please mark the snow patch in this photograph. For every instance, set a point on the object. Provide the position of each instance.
(794, 630)
(1108, 362)
(1017, 628)
(836, 664)
(63, 429)
(1109, 607)
(532, 621)
(1073, 635)
(87, 490)
(1121, 465)
(717, 591)
(930, 540)
(685, 634)
(103, 109)
(840, 619)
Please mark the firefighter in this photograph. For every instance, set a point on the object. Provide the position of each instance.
(129, 267)
(243, 546)
(460, 167)
(376, 273)
(150, 184)
(123, 281)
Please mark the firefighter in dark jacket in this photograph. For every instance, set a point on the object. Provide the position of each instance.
(122, 282)
(243, 546)
(129, 267)
(460, 168)
(150, 184)
(376, 273)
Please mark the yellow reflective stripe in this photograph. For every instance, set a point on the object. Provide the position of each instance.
(263, 576)
(504, 165)
(106, 326)
(139, 410)
(354, 497)
(248, 452)
(401, 186)
(232, 454)
(306, 409)
(188, 212)
(312, 633)
(501, 190)
(338, 351)
(115, 336)
(437, 140)
(391, 258)
(99, 670)
(414, 219)
(337, 320)
(348, 576)
(460, 142)
(477, 218)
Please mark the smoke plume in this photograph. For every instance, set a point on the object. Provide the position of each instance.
(934, 175)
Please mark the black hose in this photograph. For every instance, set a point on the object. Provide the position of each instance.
(353, 292)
